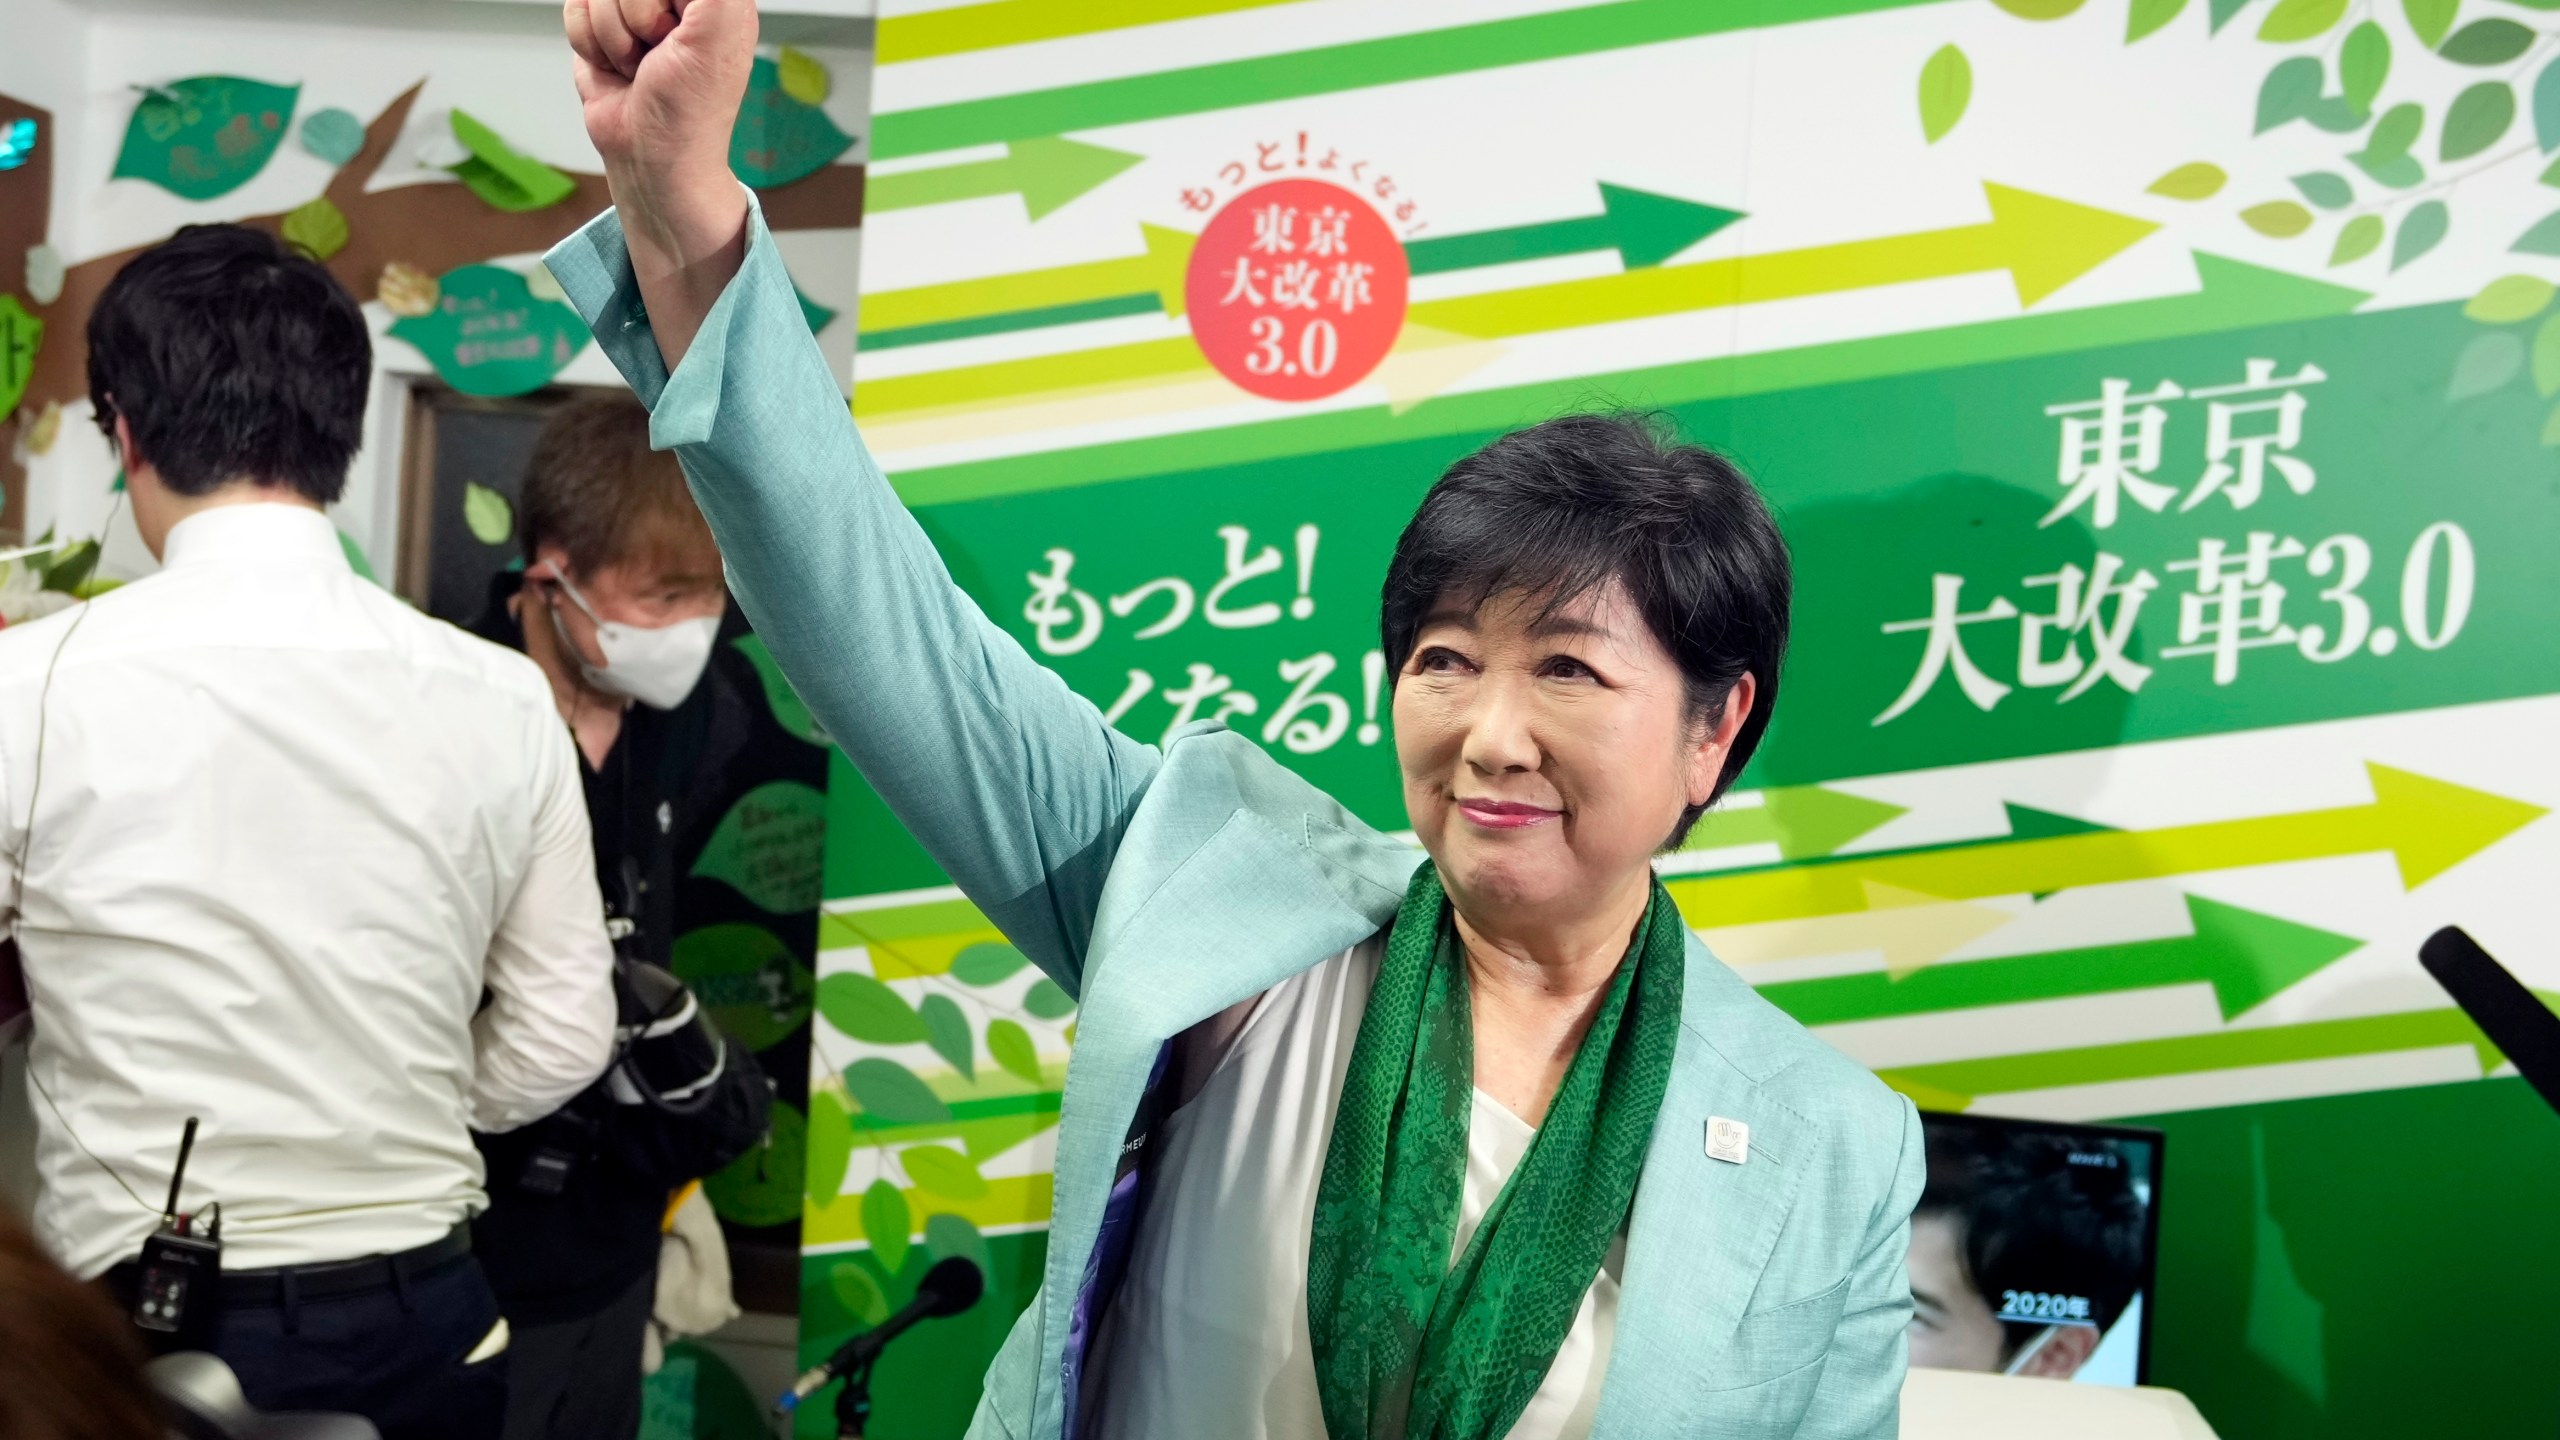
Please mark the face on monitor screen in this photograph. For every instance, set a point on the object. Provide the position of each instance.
(2031, 1249)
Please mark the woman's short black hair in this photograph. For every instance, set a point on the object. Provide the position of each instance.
(232, 357)
(1563, 508)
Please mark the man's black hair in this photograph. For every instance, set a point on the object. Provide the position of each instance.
(232, 357)
(1563, 508)
(2039, 1214)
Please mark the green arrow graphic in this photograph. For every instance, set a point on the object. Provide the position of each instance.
(2429, 826)
(2244, 955)
(1046, 173)
(1805, 821)
(1954, 1084)
(1644, 228)
(1032, 299)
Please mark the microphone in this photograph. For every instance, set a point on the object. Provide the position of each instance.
(2514, 1018)
(951, 1286)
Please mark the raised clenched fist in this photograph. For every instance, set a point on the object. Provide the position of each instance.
(661, 81)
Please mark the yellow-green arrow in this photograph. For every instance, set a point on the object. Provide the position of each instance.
(2429, 826)
(1046, 173)
(1029, 299)
(2043, 243)
(1804, 821)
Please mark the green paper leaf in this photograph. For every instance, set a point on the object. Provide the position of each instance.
(2147, 16)
(71, 568)
(1045, 1000)
(2420, 231)
(2479, 116)
(891, 1094)
(986, 963)
(318, 226)
(802, 77)
(771, 847)
(334, 135)
(2430, 19)
(869, 1011)
(829, 1146)
(885, 1223)
(2486, 42)
(763, 1186)
(2195, 180)
(21, 336)
(948, 1235)
(2288, 91)
(2039, 9)
(2277, 219)
(944, 1171)
(204, 137)
(2363, 63)
(2293, 20)
(1946, 87)
(488, 335)
(755, 987)
(2223, 10)
(2486, 364)
(2329, 192)
(780, 139)
(2546, 357)
(857, 1292)
(1011, 1047)
(2357, 239)
(486, 514)
(947, 1030)
(503, 178)
(2510, 298)
(779, 697)
(2542, 239)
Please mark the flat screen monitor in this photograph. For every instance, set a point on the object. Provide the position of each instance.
(2032, 1249)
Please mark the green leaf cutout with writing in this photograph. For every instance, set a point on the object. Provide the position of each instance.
(21, 336)
(488, 335)
(2510, 298)
(763, 1186)
(487, 514)
(2430, 19)
(334, 135)
(2421, 230)
(317, 226)
(2363, 63)
(2325, 190)
(947, 1030)
(890, 1093)
(501, 176)
(2277, 219)
(779, 697)
(771, 847)
(2293, 20)
(2195, 180)
(944, 1171)
(2479, 116)
(948, 1235)
(1946, 87)
(2356, 239)
(1047, 1001)
(2289, 91)
(780, 139)
(829, 1146)
(868, 1010)
(1014, 1053)
(2542, 239)
(2486, 42)
(857, 1292)
(2486, 364)
(206, 136)
(886, 1222)
(986, 963)
(802, 76)
(756, 989)
(2145, 17)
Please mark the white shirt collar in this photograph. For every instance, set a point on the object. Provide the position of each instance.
(267, 530)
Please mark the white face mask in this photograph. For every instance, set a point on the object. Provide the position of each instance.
(656, 666)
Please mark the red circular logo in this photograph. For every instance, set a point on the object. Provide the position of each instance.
(1296, 290)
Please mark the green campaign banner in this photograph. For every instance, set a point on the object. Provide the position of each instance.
(2159, 401)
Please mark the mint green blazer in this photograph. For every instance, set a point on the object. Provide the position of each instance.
(1162, 885)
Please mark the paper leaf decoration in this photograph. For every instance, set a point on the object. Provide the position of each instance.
(205, 137)
(802, 77)
(750, 981)
(779, 139)
(20, 335)
(406, 290)
(502, 178)
(487, 514)
(44, 274)
(44, 429)
(334, 135)
(318, 226)
(487, 335)
(17, 142)
(771, 848)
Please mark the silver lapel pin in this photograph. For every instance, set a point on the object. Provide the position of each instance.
(1728, 1140)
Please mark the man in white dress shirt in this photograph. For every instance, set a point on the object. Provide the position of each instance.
(281, 853)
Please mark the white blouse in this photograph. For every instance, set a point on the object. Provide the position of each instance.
(1208, 1332)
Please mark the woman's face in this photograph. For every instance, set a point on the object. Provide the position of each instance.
(1546, 758)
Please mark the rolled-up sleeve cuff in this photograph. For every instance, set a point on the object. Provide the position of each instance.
(593, 267)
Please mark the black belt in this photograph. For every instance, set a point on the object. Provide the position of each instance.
(251, 1289)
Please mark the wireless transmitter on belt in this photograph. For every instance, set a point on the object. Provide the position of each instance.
(178, 1262)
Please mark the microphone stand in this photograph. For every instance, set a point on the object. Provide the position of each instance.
(853, 1402)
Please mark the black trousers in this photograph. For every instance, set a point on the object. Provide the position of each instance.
(395, 1355)
(580, 1379)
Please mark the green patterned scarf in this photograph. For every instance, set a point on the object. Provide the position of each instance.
(1456, 1351)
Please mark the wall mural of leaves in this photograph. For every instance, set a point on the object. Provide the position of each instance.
(2195, 180)
(1946, 87)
